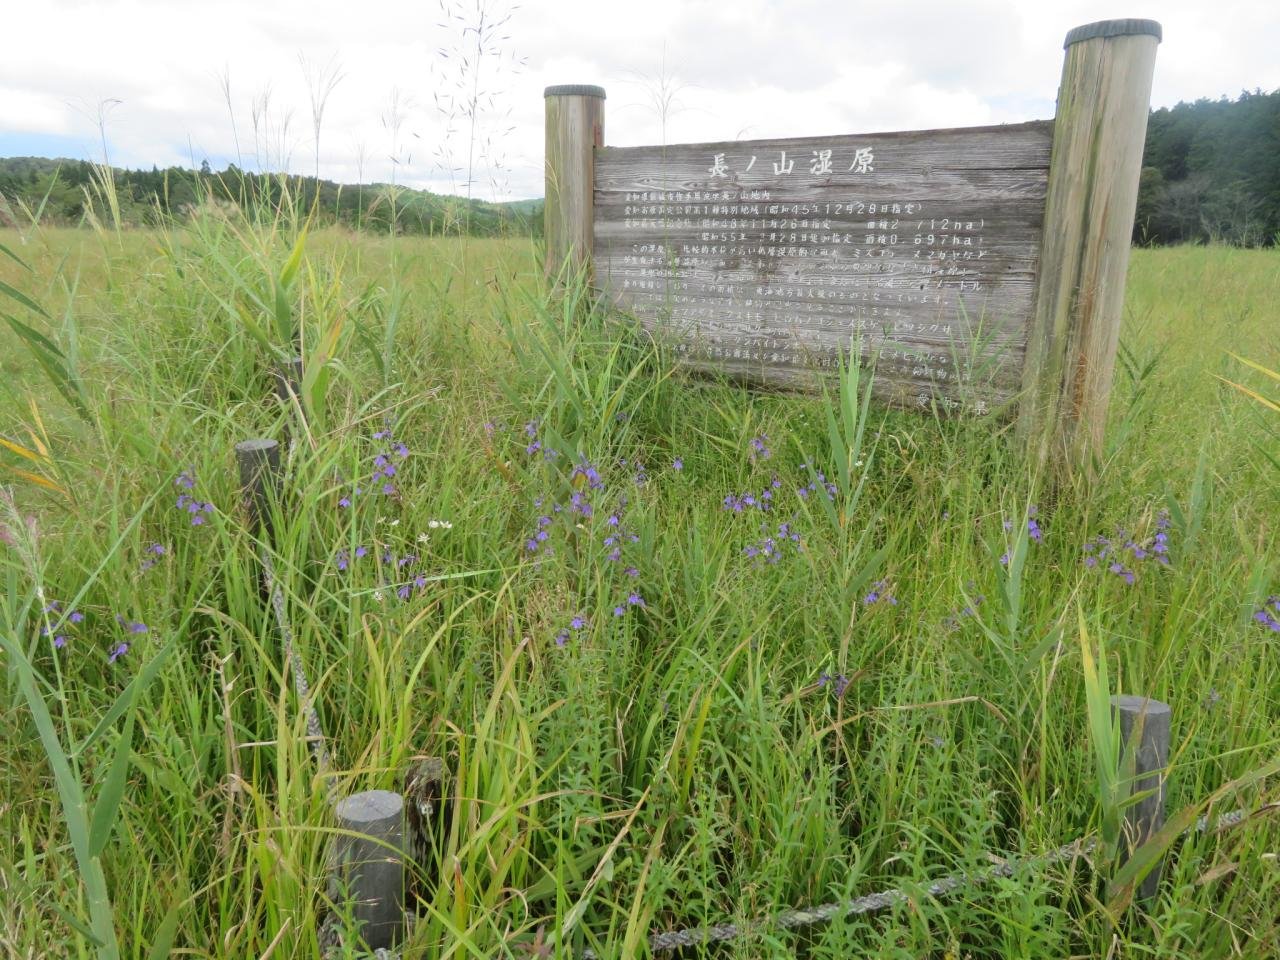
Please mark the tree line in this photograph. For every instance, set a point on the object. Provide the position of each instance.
(63, 191)
(1211, 173)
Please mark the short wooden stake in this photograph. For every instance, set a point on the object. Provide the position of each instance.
(1149, 720)
(574, 127)
(259, 463)
(1098, 137)
(370, 863)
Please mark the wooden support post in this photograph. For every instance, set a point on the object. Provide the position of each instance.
(370, 863)
(1098, 136)
(259, 462)
(575, 127)
(1149, 721)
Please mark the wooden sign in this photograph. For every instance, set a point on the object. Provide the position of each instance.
(981, 268)
(768, 259)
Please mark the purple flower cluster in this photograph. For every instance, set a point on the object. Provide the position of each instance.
(154, 553)
(1034, 532)
(1117, 552)
(398, 566)
(769, 548)
(534, 446)
(880, 594)
(759, 449)
(384, 468)
(1269, 614)
(61, 619)
(633, 600)
(194, 508)
(737, 503)
(576, 625)
(952, 622)
(821, 483)
(131, 628)
(616, 537)
(838, 683)
(543, 533)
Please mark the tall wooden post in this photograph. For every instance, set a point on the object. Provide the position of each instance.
(1149, 722)
(1098, 135)
(575, 127)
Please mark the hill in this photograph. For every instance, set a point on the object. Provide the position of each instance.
(61, 191)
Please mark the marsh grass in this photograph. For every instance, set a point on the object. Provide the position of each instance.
(756, 733)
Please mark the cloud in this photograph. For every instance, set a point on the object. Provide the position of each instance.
(750, 68)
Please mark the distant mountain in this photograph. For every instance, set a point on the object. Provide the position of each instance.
(62, 191)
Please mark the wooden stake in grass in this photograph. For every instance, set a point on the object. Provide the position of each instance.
(370, 862)
(575, 127)
(1149, 721)
(259, 463)
(1098, 136)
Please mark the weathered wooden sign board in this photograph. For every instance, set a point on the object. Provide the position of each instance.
(977, 266)
(769, 258)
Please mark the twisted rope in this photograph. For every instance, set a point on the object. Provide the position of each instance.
(315, 733)
(883, 899)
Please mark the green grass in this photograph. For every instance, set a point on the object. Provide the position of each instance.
(683, 763)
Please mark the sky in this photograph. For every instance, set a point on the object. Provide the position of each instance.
(402, 92)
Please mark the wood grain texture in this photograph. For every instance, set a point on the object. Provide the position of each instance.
(1100, 130)
(574, 128)
(767, 258)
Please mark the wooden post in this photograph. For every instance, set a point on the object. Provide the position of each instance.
(575, 127)
(370, 862)
(1098, 135)
(259, 462)
(1149, 720)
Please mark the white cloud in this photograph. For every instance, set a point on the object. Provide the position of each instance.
(750, 68)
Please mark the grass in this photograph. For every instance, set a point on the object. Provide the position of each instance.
(757, 733)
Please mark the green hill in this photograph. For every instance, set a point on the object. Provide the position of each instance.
(62, 191)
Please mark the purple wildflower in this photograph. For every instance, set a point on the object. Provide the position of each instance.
(1268, 615)
(117, 652)
(677, 464)
(880, 592)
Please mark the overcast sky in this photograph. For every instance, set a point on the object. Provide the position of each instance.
(154, 75)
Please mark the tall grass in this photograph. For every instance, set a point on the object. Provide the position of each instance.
(727, 718)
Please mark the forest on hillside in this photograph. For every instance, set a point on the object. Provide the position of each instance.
(1211, 173)
(65, 191)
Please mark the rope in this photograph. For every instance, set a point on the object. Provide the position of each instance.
(315, 734)
(883, 899)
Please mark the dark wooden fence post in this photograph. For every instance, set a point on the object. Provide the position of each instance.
(1098, 136)
(575, 127)
(1149, 721)
(370, 863)
(259, 463)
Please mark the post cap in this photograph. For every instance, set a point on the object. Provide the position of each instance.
(574, 90)
(369, 806)
(1114, 28)
(255, 448)
(1129, 703)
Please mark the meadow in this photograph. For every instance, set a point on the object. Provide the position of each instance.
(691, 654)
